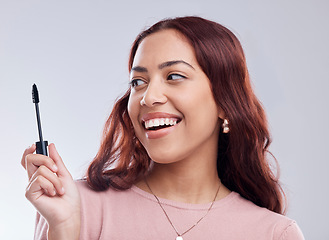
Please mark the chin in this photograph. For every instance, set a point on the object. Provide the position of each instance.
(164, 156)
(161, 158)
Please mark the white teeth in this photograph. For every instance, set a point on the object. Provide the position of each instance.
(160, 122)
(156, 123)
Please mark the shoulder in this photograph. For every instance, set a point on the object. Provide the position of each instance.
(84, 187)
(98, 200)
(86, 192)
(89, 197)
(89, 194)
(280, 227)
(292, 232)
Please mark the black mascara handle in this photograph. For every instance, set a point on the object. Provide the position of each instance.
(39, 149)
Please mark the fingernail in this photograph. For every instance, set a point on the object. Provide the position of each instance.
(55, 168)
(62, 190)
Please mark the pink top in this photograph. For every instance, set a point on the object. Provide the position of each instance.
(135, 214)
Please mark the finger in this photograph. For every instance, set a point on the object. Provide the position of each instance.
(38, 187)
(51, 177)
(27, 151)
(62, 170)
(34, 161)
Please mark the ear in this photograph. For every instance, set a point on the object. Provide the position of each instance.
(221, 113)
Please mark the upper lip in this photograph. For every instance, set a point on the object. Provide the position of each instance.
(154, 115)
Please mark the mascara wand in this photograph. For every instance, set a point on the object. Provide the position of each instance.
(41, 145)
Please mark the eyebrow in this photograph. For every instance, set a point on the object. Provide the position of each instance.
(170, 63)
(139, 69)
(162, 65)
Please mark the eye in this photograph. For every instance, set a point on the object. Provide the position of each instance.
(175, 76)
(136, 82)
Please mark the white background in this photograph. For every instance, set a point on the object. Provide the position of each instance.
(77, 53)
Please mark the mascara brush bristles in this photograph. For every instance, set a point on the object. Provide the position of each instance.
(35, 94)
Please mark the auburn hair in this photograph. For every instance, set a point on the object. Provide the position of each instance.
(242, 164)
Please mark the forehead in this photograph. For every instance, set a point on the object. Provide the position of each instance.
(163, 46)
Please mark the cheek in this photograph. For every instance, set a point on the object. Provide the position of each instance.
(129, 107)
(201, 106)
(133, 110)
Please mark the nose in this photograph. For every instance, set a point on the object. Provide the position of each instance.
(154, 95)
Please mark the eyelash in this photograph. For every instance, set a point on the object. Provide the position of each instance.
(134, 83)
(175, 74)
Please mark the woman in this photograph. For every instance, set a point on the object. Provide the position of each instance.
(186, 146)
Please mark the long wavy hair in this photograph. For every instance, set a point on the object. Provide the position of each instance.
(242, 164)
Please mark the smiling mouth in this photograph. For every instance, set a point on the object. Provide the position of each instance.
(160, 123)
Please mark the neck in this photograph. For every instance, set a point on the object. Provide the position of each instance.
(185, 181)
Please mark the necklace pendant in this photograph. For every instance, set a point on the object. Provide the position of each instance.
(179, 238)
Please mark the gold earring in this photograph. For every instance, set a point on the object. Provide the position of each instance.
(226, 129)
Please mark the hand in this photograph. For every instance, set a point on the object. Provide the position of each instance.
(52, 191)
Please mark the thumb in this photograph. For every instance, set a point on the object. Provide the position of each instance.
(53, 154)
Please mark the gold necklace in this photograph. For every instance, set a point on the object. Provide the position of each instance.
(180, 236)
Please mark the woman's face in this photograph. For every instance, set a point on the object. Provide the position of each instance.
(171, 105)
